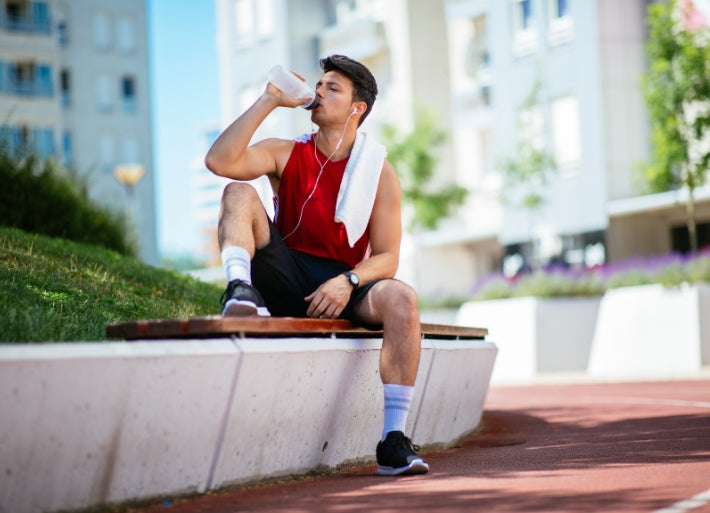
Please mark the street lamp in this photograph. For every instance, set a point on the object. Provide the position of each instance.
(129, 175)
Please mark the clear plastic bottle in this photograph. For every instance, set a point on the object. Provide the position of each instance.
(291, 85)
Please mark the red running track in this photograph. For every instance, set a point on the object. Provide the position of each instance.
(626, 447)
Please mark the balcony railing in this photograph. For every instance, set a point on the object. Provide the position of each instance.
(27, 88)
(34, 21)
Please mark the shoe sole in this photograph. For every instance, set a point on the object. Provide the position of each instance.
(415, 467)
(236, 308)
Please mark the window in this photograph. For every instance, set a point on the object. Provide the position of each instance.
(21, 77)
(565, 132)
(559, 8)
(62, 27)
(254, 20)
(65, 85)
(106, 153)
(104, 93)
(102, 32)
(522, 15)
(126, 35)
(43, 142)
(265, 18)
(40, 17)
(43, 80)
(67, 156)
(244, 14)
(524, 33)
(25, 16)
(128, 94)
(28, 78)
(561, 28)
(129, 151)
(477, 56)
(62, 36)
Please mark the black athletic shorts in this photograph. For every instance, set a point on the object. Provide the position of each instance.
(285, 276)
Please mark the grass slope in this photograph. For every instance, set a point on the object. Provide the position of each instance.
(57, 290)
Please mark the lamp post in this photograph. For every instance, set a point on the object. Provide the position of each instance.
(129, 175)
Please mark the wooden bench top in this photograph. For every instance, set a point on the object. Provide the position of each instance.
(218, 326)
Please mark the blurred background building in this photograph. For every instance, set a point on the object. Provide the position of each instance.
(74, 83)
(475, 62)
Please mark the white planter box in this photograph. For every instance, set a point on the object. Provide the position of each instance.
(535, 335)
(90, 424)
(652, 331)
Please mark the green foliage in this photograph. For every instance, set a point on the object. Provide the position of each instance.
(676, 90)
(58, 290)
(412, 155)
(532, 166)
(40, 196)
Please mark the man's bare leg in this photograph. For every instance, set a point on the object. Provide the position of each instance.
(243, 227)
(394, 305)
(242, 219)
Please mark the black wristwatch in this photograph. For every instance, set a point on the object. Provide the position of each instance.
(353, 279)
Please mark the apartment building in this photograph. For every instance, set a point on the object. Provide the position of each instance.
(475, 62)
(586, 59)
(74, 83)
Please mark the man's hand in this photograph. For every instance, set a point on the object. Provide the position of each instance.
(330, 299)
(282, 99)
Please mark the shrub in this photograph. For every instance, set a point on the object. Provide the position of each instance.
(40, 196)
(669, 270)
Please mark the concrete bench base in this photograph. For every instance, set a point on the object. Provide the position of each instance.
(99, 423)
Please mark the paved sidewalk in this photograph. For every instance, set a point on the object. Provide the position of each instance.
(627, 447)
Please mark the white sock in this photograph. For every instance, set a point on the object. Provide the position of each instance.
(237, 264)
(397, 401)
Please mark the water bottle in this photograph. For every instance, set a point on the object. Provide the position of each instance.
(290, 84)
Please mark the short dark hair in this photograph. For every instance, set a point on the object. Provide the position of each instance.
(364, 84)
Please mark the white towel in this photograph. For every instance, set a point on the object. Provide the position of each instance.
(358, 189)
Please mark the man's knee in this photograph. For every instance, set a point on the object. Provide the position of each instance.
(239, 191)
(400, 299)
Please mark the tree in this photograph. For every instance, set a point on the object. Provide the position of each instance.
(530, 170)
(676, 90)
(413, 156)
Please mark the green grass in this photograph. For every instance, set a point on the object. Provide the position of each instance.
(58, 290)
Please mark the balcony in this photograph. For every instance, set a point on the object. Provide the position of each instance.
(26, 79)
(26, 18)
(358, 39)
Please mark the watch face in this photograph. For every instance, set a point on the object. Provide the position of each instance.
(353, 279)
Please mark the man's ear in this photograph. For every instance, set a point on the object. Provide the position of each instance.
(359, 108)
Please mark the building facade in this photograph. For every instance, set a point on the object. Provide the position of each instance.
(564, 76)
(74, 84)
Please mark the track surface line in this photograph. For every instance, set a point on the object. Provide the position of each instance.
(694, 502)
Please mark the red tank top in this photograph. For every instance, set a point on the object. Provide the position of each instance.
(318, 234)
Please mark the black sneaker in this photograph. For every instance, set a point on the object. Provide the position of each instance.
(240, 298)
(395, 456)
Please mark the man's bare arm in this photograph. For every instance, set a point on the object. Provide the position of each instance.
(385, 229)
(232, 157)
(329, 300)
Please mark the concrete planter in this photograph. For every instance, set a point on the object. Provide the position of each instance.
(535, 335)
(91, 424)
(652, 331)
